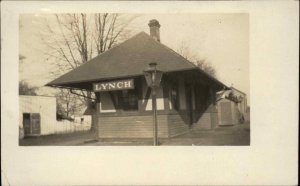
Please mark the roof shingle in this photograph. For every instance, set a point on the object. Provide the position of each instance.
(126, 59)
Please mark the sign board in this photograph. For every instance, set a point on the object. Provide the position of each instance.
(114, 85)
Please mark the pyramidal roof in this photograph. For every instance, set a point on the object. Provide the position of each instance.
(129, 58)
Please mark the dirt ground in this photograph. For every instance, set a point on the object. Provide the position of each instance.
(229, 135)
(238, 135)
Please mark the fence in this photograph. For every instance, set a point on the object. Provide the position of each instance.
(60, 127)
(65, 126)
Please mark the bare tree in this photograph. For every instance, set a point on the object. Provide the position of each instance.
(109, 30)
(73, 39)
(192, 56)
(206, 67)
(67, 103)
(185, 51)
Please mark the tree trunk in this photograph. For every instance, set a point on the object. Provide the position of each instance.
(90, 107)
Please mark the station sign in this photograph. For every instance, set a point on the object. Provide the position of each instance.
(114, 85)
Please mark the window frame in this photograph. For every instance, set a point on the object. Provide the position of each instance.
(125, 105)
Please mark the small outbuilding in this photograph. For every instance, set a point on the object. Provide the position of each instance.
(37, 114)
(232, 106)
(186, 97)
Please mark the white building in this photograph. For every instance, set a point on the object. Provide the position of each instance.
(37, 114)
(232, 107)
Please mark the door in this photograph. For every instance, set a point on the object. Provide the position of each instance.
(35, 123)
(26, 124)
(31, 124)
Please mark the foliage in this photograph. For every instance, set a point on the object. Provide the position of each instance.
(206, 67)
(26, 89)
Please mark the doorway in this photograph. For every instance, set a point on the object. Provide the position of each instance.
(31, 124)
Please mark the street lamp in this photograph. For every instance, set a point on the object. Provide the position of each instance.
(153, 77)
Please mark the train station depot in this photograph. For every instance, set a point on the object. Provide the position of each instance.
(186, 96)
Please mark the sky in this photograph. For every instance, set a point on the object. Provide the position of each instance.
(221, 39)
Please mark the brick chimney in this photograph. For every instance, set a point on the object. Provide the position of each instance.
(154, 29)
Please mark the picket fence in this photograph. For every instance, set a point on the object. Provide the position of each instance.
(66, 126)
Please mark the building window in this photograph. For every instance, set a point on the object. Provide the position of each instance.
(129, 99)
(174, 97)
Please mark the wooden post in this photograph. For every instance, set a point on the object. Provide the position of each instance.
(95, 115)
(155, 143)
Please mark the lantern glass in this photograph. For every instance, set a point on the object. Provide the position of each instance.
(152, 75)
(148, 77)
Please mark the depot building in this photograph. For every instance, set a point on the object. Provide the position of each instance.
(186, 96)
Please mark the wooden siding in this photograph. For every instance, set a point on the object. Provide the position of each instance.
(203, 123)
(131, 126)
(178, 124)
(214, 119)
(171, 122)
(226, 116)
(207, 120)
(228, 112)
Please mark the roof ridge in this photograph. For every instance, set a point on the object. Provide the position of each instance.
(168, 48)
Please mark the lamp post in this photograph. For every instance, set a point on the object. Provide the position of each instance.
(153, 78)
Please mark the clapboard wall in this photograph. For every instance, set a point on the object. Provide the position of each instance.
(228, 112)
(178, 123)
(114, 122)
(206, 120)
(136, 126)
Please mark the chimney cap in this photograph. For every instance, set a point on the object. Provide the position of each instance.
(154, 22)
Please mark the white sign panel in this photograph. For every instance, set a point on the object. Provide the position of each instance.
(114, 85)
